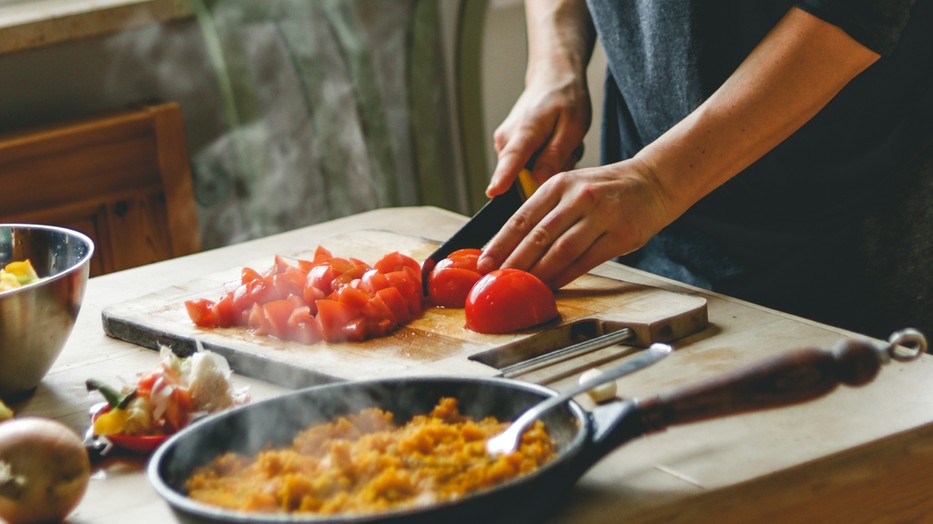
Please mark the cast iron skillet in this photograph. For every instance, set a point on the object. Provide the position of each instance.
(582, 437)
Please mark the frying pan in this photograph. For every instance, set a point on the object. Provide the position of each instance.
(581, 437)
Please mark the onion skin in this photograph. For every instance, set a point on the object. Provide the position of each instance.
(47, 470)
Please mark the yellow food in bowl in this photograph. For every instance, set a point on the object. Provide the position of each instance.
(17, 274)
(364, 463)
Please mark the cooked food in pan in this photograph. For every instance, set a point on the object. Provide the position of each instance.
(364, 463)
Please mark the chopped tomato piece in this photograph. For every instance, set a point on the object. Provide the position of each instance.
(396, 261)
(352, 297)
(277, 313)
(303, 326)
(201, 312)
(396, 302)
(333, 316)
(355, 330)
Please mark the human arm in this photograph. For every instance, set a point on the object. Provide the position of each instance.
(579, 219)
(553, 113)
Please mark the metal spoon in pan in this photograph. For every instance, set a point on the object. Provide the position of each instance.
(507, 441)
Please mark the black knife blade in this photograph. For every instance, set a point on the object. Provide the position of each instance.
(485, 223)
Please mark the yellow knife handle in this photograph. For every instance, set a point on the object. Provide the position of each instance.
(528, 182)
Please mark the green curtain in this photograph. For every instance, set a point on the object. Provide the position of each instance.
(333, 107)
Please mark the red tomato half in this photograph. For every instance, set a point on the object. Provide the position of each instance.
(452, 278)
(508, 300)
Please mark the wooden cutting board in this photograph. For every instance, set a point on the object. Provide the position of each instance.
(435, 344)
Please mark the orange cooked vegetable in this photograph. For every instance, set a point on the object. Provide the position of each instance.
(364, 463)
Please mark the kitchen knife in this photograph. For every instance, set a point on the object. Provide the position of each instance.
(485, 223)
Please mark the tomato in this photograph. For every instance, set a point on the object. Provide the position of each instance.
(334, 316)
(326, 297)
(352, 297)
(451, 280)
(396, 303)
(303, 326)
(277, 313)
(247, 275)
(201, 312)
(285, 285)
(322, 277)
(321, 255)
(507, 300)
(224, 312)
(257, 321)
(396, 261)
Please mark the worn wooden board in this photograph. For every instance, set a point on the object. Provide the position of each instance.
(436, 343)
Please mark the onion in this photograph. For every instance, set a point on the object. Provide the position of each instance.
(44, 470)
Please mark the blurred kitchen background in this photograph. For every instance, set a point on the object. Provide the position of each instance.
(294, 111)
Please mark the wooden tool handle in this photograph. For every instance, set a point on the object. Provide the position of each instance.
(783, 380)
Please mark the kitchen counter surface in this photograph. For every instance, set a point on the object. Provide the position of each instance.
(858, 455)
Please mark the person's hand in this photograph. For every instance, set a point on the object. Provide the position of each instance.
(551, 117)
(580, 219)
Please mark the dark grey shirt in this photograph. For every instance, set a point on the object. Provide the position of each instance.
(777, 232)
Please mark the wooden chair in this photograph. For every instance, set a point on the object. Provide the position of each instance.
(121, 178)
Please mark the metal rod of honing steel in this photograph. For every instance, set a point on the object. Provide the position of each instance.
(602, 341)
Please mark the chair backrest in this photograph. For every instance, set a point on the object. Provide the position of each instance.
(122, 178)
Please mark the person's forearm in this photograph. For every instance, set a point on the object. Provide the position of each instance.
(560, 34)
(795, 71)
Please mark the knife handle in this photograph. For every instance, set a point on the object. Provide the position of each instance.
(787, 379)
(527, 183)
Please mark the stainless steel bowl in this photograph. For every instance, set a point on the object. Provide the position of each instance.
(36, 319)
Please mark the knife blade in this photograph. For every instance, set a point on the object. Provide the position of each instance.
(485, 223)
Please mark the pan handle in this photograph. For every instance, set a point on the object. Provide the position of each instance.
(783, 380)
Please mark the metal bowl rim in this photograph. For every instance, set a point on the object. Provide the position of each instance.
(77, 266)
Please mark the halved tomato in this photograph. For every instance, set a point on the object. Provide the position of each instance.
(507, 300)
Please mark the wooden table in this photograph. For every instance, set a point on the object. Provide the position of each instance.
(858, 455)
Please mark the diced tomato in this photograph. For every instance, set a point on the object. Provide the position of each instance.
(396, 261)
(225, 313)
(281, 264)
(355, 330)
(352, 297)
(257, 291)
(373, 281)
(312, 295)
(409, 288)
(277, 313)
(321, 255)
(379, 318)
(285, 286)
(248, 275)
(201, 312)
(303, 327)
(257, 322)
(351, 274)
(333, 315)
(358, 262)
(396, 302)
(322, 277)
